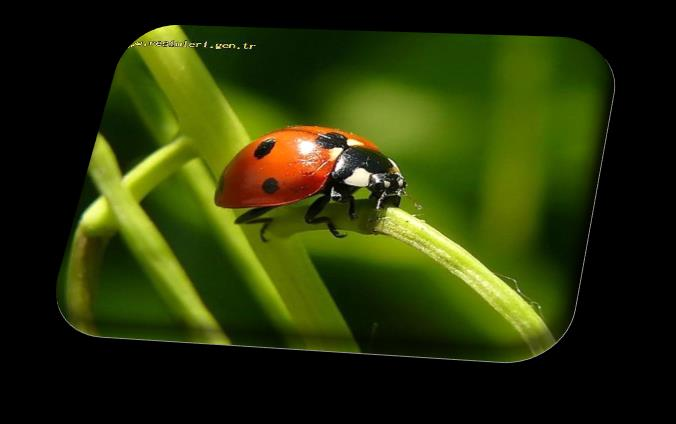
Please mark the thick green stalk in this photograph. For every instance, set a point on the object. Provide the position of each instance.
(98, 225)
(202, 111)
(507, 302)
(153, 110)
(205, 116)
(150, 249)
(237, 246)
(397, 223)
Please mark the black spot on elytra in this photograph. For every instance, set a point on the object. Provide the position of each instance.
(270, 185)
(264, 148)
(332, 140)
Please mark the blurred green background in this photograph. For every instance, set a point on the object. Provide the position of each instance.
(499, 138)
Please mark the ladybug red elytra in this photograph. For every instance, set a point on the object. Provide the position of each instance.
(294, 163)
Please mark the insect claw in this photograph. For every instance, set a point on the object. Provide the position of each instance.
(263, 239)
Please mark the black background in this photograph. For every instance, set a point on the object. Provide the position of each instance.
(604, 336)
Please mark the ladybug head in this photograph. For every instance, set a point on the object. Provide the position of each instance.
(387, 185)
(362, 167)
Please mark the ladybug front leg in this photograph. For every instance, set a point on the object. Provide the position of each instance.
(314, 210)
(383, 199)
(251, 217)
(352, 209)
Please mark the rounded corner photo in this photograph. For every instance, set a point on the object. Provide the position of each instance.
(408, 194)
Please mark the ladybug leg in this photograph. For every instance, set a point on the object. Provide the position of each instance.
(386, 200)
(352, 210)
(342, 193)
(265, 222)
(246, 217)
(251, 217)
(314, 210)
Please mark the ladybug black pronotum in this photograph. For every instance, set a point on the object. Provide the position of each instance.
(294, 163)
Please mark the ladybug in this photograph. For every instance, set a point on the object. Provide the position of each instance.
(297, 162)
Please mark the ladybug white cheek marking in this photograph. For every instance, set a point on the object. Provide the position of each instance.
(352, 142)
(359, 178)
(335, 152)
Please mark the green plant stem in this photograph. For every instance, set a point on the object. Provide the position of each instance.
(150, 249)
(84, 263)
(98, 219)
(202, 111)
(153, 110)
(236, 244)
(206, 117)
(506, 301)
(98, 225)
(397, 223)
